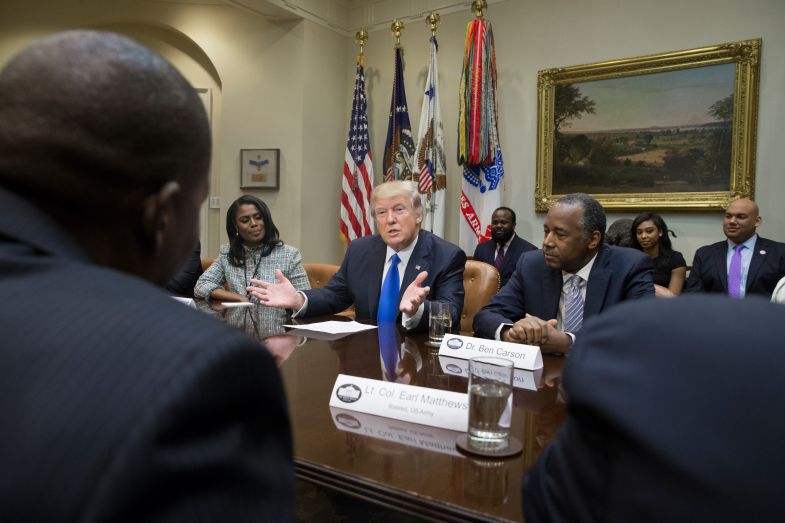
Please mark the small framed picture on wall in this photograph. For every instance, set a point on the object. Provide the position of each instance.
(259, 168)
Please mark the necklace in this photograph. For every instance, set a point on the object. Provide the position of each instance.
(245, 268)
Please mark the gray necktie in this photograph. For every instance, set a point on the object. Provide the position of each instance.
(573, 306)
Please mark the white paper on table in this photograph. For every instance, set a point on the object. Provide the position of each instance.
(333, 327)
(232, 304)
(189, 302)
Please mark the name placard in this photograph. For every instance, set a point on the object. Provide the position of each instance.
(432, 407)
(405, 433)
(522, 379)
(526, 357)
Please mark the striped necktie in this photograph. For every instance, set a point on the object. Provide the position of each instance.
(500, 257)
(573, 306)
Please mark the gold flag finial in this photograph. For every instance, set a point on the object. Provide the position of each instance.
(359, 38)
(432, 20)
(478, 6)
(396, 28)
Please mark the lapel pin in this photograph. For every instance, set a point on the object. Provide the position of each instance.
(762, 251)
(417, 267)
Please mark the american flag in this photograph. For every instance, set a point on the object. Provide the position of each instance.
(426, 178)
(399, 147)
(357, 168)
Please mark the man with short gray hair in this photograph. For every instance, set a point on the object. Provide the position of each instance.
(428, 268)
(573, 277)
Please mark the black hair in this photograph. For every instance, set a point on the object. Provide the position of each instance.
(514, 218)
(618, 233)
(111, 118)
(270, 240)
(593, 213)
(665, 241)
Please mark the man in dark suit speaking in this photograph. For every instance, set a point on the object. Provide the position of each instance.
(743, 264)
(675, 413)
(573, 277)
(505, 249)
(427, 268)
(118, 403)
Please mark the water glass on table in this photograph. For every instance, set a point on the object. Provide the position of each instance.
(490, 403)
(439, 322)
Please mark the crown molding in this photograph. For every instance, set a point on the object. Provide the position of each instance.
(345, 16)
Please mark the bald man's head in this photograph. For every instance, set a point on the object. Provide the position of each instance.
(741, 220)
(89, 116)
(109, 139)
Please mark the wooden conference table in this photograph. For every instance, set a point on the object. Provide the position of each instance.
(405, 467)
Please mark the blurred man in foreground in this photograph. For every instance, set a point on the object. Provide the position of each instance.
(117, 402)
(675, 413)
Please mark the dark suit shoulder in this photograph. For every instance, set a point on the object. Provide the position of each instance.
(366, 242)
(524, 244)
(769, 244)
(623, 254)
(439, 243)
(704, 250)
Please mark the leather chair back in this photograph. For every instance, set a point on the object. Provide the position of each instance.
(319, 273)
(318, 276)
(206, 262)
(481, 282)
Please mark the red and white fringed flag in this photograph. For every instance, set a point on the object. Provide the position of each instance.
(430, 159)
(356, 183)
(478, 138)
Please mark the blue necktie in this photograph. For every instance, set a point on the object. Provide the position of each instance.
(388, 299)
(573, 306)
(388, 346)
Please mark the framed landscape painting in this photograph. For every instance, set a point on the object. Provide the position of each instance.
(673, 131)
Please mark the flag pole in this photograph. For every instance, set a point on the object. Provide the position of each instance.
(359, 38)
(478, 6)
(432, 21)
(396, 28)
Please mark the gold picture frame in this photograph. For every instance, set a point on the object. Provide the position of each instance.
(644, 144)
(259, 169)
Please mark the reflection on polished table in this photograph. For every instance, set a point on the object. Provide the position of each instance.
(410, 468)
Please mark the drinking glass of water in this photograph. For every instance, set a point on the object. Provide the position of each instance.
(439, 323)
(490, 403)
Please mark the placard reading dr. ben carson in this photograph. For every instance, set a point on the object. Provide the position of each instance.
(526, 357)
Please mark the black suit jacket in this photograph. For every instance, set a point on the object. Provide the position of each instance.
(709, 271)
(486, 252)
(618, 274)
(675, 413)
(120, 404)
(359, 280)
(183, 283)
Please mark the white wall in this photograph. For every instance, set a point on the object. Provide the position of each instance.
(288, 85)
(531, 35)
